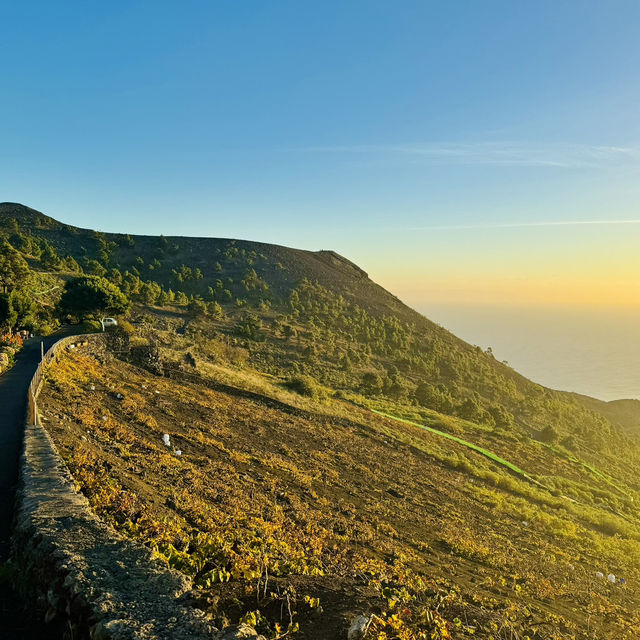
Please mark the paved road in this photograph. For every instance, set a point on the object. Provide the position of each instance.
(15, 622)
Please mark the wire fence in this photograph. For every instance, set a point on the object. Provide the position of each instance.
(47, 360)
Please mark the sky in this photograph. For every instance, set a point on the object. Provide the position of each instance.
(463, 151)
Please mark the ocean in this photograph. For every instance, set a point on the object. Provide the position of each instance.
(594, 351)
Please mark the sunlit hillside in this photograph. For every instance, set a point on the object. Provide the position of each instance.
(299, 514)
(330, 452)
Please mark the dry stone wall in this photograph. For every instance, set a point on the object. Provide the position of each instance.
(80, 573)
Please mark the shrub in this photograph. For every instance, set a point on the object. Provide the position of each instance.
(45, 330)
(126, 326)
(250, 327)
(305, 386)
(90, 326)
(13, 340)
(371, 383)
(549, 435)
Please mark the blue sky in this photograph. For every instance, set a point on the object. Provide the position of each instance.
(430, 142)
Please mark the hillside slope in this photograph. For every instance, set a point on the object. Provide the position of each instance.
(624, 413)
(287, 511)
(332, 438)
(285, 266)
(303, 312)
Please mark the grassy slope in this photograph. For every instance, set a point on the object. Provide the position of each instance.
(366, 513)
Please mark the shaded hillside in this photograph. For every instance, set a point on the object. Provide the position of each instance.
(624, 413)
(155, 258)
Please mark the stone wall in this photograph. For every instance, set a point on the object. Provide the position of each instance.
(80, 574)
(6, 356)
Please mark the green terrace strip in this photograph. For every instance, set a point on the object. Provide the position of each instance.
(588, 467)
(470, 445)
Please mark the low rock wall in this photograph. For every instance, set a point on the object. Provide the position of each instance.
(6, 356)
(79, 572)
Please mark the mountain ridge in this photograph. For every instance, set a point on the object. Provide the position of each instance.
(50, 227)
(267, 280)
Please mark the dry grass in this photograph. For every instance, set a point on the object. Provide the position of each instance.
(300, 499)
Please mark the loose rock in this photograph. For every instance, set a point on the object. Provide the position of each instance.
(359, 628)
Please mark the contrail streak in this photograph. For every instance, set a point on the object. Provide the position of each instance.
(498, 153)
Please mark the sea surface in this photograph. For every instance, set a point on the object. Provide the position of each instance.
(594, 351)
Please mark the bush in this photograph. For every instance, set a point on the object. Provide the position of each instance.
(45, 330)
(126, 326)
(305, 386)
(250, 327)
(13, 340)
(549, 435)
(90, 326)
(371, 383)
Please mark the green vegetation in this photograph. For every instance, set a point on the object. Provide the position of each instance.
(92, 296)
(278, 497)
(484, 452)
(305, 386)
(335, 445)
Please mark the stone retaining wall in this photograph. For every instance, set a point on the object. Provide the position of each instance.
(6, 355)
(79, 572)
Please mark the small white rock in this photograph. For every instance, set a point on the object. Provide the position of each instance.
(93, 387)
(166, 440)
(358, 628)
(178, 452)
(599, 575)
(104, 418)
(611, 578)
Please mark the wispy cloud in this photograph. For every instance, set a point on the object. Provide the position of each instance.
(509, 153)
(517, 225)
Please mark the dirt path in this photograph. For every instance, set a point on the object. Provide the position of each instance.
(15, 622)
